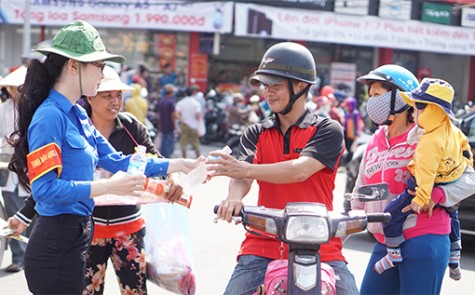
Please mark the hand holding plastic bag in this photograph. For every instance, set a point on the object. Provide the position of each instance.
(168, 248)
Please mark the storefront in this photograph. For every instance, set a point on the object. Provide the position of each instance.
(444, 51)
(221, 43)
(152, 33)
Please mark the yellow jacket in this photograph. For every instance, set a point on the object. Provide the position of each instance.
(137, 105)
(439, 154)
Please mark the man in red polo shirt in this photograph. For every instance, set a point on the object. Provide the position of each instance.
(293, 155)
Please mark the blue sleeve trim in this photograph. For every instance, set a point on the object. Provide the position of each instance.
(157, 167)
(83, 190)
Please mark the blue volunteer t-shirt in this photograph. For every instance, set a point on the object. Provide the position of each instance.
(82, 148)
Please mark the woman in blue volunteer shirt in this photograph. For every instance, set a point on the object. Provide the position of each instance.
(56, 152)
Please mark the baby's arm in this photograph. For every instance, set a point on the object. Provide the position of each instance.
(427, 158)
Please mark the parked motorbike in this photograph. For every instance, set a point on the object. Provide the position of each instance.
(304, 226)
(215, 120)
(234, 138)
(352, 167)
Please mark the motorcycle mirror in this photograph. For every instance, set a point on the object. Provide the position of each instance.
(373, 192)
(370, 192)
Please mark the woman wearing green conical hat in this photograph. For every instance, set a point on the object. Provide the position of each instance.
(57, 150)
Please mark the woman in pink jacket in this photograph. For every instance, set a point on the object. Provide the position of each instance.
(427, 246)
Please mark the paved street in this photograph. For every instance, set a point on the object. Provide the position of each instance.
(215, 247)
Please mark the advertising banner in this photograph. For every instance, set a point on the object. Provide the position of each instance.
(342, 78)
(199, 70)
(297, 24)
(307, 4)
(167, 49)
(159, 14)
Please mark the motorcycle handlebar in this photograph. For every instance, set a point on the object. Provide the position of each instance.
(216, 207)
(234, 218)
(372, 217)
(378, 217)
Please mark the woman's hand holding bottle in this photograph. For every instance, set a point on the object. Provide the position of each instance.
(120, 183)
(184, 165)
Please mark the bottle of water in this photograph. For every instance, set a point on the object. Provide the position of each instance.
(198, 175)
(138, 161)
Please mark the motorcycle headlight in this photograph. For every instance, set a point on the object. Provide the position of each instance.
(307, 223)
(307, 229)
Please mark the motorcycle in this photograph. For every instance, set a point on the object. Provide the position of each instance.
(352, 167)
(215, 120)
(234, 138)
(305, 226)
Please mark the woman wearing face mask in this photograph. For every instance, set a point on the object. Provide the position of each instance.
(426, 249)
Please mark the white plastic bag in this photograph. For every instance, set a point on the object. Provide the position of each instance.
(201, 128)
(168, 248)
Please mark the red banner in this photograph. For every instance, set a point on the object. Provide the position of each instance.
(199, 70)
(167, 49)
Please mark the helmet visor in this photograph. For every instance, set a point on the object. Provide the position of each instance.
(265, 79)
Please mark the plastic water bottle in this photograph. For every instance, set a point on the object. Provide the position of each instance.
(198, 175)
(138, 161)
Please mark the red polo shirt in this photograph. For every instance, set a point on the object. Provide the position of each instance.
(311, 136)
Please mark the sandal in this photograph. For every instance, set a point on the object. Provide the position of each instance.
(14, 267)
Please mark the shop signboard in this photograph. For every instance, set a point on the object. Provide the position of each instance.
(352, 7)
(139, 14)
(468, 17)
(436, 13)
(253, 20)
(396, 9)
(307, 4)
(343, 77)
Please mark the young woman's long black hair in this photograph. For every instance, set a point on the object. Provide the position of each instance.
(40, 78)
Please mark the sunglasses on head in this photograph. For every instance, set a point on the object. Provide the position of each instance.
(420, 105)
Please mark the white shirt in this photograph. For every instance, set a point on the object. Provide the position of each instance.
(7, 121)
(189, 109)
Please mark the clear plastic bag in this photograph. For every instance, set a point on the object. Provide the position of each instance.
(4, 161)
(168, 248)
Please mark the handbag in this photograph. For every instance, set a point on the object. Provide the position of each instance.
(168, 248)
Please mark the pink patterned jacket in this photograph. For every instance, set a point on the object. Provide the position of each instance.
(386, 161)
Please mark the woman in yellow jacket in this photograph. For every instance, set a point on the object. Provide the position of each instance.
(137, 105)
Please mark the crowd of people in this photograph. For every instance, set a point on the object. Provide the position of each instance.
(67, 119)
